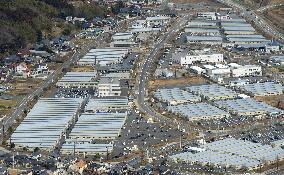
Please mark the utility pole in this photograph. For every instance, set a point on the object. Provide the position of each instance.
(180, 144)
(277, 162)
(259, 166)
(147, 153)
(107, 153)
(13, 160)
(74, 147)
(3, 129)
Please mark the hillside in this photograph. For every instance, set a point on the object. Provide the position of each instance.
(23, 22)
(254, 4)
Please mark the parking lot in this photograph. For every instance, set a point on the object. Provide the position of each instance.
(138, 131)
(74, 93)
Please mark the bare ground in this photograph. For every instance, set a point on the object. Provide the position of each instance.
(271, 100)
(170, 82)
(276, 18)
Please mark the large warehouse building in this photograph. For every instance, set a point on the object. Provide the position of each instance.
(198, 111)
(248, 107)
(175, 96)
(47, 123)
(78, 80)
(263, 89)
(213, 92)
(103, 56)
(234, 153)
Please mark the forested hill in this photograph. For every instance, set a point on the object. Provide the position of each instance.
(25, 21)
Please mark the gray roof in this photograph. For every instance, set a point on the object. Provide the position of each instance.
(235, 24)
(107, 104)
(104, 56)
(98, 126)
(213, 91)
(232, 152)
(238, 28)
(248, 107)
(248, 149)
(77, 78)
(175, 95)
(204, 38)
(198, 111)
(248, 40)
(263, 89)
(46, 122)
(201, 23)
(245, 36)
(201, 30)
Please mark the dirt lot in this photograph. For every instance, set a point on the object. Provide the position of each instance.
(271, 100)
(170, 82)
(196, 1)
(82, 69)
(23, 86)
(254, 4)
(276, 17)
(7, 106)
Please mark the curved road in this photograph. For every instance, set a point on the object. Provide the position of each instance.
(145, 70)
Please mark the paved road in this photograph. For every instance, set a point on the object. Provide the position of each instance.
(258, 21)
(145, 68)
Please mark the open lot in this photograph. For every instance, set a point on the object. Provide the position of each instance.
(271, 100)
(81, 69)
(20, 88)
(7, 106)
(190, 80)
(276, 17)
(23, 86)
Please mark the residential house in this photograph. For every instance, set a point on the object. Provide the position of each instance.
(12, 59)
(4, 73)
(40, 69)
(24, 53)
(273, 46)
(22, 69)
(78, 166)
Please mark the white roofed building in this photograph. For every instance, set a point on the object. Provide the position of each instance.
(108, 86)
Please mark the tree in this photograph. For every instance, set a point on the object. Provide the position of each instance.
(116, 8)
(10, 130)
(36, 97)
(36, 149)
(39, 36)
(4, 142)
(66, 31)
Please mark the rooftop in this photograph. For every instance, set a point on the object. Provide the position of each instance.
(45, 123)
(198, 111)
(107, 104)
(233, 152)
(263, 89)
(213, 92)
(175, 96)
(98, 126)
(77, 77)
(248, 107)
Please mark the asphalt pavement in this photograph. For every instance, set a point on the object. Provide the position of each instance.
(145, 70)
